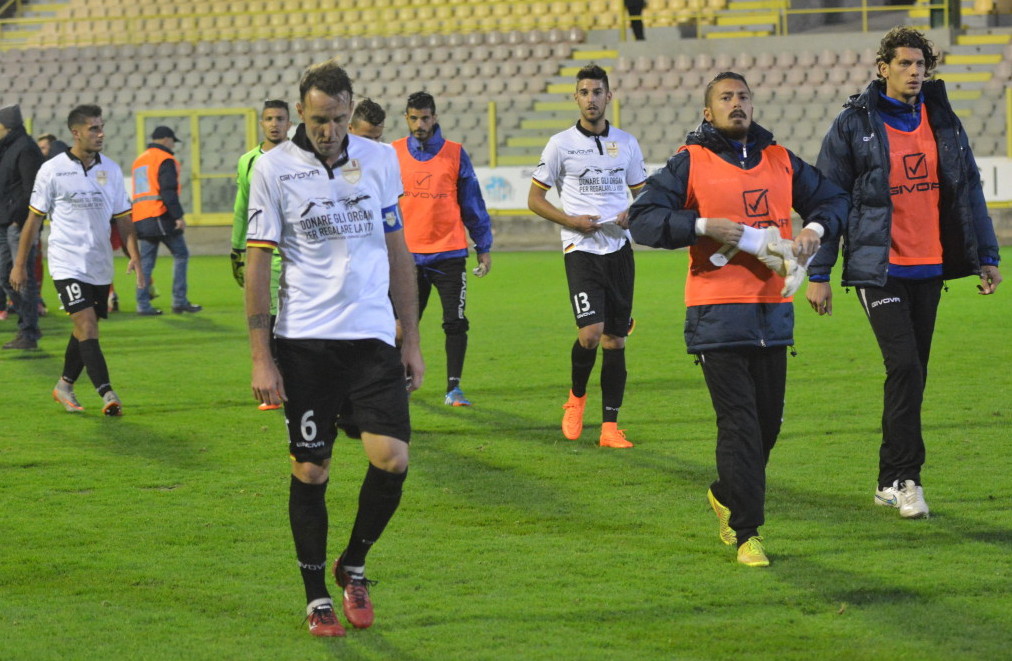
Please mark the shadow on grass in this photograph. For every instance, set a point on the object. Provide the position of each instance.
(367, 644)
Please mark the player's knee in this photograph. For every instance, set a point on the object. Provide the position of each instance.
(310, 473)
(612, 342)
(456, 326)
(590, 336)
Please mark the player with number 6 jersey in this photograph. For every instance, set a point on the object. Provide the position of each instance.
(328, 202)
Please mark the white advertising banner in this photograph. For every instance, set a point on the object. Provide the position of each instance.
(996, 176)
(506, 188)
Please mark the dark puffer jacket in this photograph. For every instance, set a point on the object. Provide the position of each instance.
(855, 155)
(659, 218)
(20, 160)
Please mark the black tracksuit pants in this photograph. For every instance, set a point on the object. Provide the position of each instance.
(902, 315)
(747, 389)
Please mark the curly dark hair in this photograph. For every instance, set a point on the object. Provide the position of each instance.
(421, 101)
(593, 72)
(368, 110)
(902, 36)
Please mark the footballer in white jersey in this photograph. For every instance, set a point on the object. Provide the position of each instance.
(328, 226)
(594, 166)
(80, 202)
(593, 174)
(328, 202)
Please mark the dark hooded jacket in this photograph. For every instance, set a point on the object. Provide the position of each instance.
(20, 160)
(855, 155)
(659, 218)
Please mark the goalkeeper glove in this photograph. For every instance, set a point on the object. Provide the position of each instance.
(238, 258)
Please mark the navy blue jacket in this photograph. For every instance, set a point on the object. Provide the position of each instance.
(659, 218)
(855, 155)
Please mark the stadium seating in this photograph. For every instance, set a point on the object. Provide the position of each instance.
(202, 56)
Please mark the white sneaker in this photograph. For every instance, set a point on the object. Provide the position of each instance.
(912, 505)
(888, 497)
(907, 497)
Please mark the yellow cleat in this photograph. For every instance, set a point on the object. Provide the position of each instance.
(752, 553)
(723, 517)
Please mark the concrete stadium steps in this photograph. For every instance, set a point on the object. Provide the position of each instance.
(553, 111)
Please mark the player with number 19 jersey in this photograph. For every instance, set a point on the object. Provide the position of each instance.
(329, 225)
(80, 203)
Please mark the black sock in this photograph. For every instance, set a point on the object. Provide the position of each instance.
(72, 363)
(94, 362)
(377, 501)
(456, 348)
(307, 514)
(583, 364)
(613, 375)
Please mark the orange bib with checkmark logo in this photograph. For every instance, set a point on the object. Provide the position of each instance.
(915, 237)
(760, 197)
(432, 221)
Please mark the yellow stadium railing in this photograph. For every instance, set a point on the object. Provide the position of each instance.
(241, 142)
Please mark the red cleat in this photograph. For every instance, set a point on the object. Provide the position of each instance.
(323, 622)
(357, 604)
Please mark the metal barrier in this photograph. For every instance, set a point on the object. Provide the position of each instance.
(208, 195)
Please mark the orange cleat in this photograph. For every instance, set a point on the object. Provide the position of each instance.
(572, 419)
(613, 437)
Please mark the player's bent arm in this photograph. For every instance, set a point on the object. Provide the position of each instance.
(537, 201)
(29, 234)
(240, 223)
(404, 293)
(266, 381)
(126, 231)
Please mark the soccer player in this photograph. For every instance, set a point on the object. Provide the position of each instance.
(725, 187)
(368, 119)
(919, 218)
(442, 204)
(592, 164)
(274, 122)
(328, 202)
(81, 192)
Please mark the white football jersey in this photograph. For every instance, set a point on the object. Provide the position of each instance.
(593, 174)
(329, 229)
(80, 205)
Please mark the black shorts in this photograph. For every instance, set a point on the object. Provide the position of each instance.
(76, 296)
(601, 288)
(325, 379)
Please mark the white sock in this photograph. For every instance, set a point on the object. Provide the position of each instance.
(316, 603)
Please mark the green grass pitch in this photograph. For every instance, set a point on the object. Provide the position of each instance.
(164, 534)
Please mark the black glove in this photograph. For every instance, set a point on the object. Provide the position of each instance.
(239, 266)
